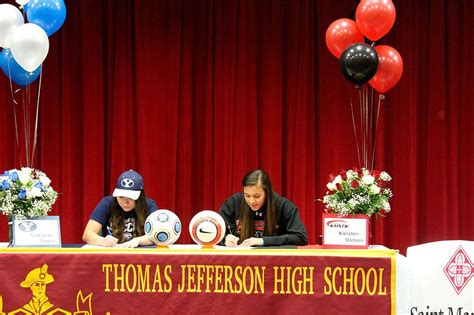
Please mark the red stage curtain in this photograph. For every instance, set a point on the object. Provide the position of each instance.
(193, 94)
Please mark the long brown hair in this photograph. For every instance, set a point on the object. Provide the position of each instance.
(247, 228)
(117, 217)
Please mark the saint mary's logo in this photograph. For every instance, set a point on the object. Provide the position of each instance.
(459, 270)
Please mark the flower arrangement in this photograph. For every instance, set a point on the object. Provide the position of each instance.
(358, 191)
(26, 193)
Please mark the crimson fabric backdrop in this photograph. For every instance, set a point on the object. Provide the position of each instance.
(193, 94)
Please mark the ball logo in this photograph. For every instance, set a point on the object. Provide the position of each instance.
(201, 230)
(127, 183)
(206, 231)
(341, 224)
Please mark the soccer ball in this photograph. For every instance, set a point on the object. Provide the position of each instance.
(207, 228)
(163, 227)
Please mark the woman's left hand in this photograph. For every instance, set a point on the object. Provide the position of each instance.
(253, 241)
(134, 242)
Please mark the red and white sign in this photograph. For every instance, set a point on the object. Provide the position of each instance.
(459, 269)
(345, 231)
(441, 277)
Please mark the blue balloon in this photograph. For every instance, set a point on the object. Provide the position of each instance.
(48, 14)
(14, 71)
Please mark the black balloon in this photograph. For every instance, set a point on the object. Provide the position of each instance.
(359, 63)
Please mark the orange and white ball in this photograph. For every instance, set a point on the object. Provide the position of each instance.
(207, 228)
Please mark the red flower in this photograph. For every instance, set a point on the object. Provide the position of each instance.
(338, 186)
(343, 174)
(331, 177)
(375, 173)
(354, 184)
(381, 184)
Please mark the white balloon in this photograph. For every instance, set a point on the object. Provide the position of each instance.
(29, 46)
(22, 2)
(10, 19)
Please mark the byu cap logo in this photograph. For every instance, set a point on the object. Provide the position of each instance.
(127, 183)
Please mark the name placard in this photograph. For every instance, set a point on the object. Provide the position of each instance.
(345, 231)
(38, 232)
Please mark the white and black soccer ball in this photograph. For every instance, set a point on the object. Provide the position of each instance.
(163, 227)
(207, 228)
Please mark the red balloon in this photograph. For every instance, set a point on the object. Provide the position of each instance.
(341, 34)
(375, 18)
(390, 69)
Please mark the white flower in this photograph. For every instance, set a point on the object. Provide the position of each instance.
(34, 192)
(27, 169)
(331, 186)
(351, 174)
(45, 180)
(385, 177)
(353, 202)
(337, 180)
(374, 189)
(368, 179)
(24, 175)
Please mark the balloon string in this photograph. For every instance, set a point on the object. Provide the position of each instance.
(366, 126)
(371, 135)
(364, 123)
(354, 127)
(25, 127)
(367, 118)
(381, 98)
(367, 121)
(36, 118)
(28, 118)
(15, 103)
(361, 118)
(364, 133)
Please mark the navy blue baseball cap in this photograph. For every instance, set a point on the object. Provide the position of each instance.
(129, 184)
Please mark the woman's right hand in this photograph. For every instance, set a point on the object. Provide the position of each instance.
(109, 241)
(231, 240)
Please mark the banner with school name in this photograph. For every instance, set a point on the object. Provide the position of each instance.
(152, 281)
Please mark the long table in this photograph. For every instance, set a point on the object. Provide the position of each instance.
(184, 279)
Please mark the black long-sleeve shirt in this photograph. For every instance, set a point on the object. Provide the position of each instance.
(290, 229)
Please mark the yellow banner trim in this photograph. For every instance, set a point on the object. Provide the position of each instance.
(378, 253)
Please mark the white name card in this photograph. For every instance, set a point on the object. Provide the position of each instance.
(345, 231)
(38, 232)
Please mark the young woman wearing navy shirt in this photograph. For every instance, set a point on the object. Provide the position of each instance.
(119, 220)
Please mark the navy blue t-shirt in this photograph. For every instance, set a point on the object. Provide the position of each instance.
(102, 212)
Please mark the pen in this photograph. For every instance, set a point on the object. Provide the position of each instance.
(109, 230)
(230, 231)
